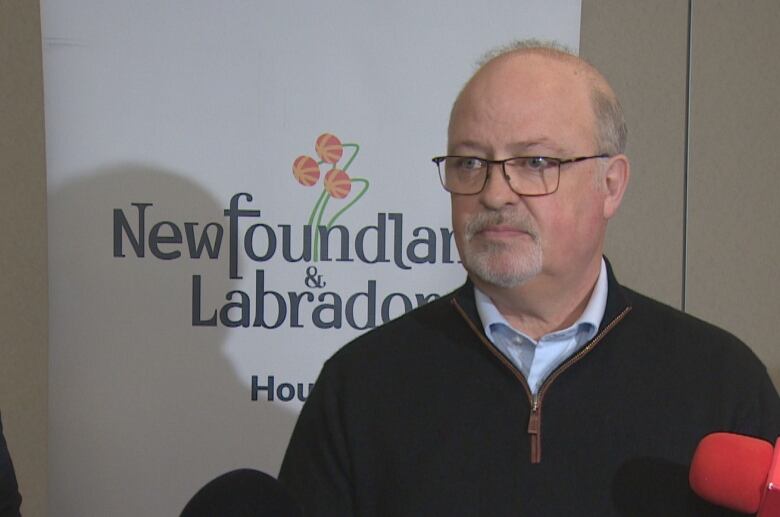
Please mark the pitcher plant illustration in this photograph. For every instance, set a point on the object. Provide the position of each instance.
(337, 183)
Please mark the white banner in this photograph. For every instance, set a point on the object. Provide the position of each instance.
(236, 189)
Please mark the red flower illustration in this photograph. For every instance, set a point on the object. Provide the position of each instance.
(337, 183)
(329, 148)
(306, 170)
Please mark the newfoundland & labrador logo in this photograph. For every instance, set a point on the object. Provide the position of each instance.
(319, 241)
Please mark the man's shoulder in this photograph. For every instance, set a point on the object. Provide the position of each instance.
(657, 323)
(428, 326)
(673, 330)
(651, 310)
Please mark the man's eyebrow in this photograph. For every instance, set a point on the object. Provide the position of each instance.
(470, 145)
(533, 146)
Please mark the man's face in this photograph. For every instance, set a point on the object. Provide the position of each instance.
(528, 105)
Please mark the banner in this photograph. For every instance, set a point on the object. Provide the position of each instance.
(237, 189)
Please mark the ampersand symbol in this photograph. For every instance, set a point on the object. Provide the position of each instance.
(313, 280)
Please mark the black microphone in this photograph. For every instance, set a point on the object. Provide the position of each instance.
(242, 493)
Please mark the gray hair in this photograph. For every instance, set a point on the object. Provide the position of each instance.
(611, 129)
(548, 47)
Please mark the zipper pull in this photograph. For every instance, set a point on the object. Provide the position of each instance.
(535, 430)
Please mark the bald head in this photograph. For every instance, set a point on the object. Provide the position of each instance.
(530, 57)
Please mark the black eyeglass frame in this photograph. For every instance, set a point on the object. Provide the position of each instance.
(439, 159)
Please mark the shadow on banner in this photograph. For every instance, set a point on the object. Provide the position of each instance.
(144, 407)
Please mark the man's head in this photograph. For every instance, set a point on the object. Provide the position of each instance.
(532, 100)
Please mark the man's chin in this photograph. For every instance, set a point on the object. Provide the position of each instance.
(507, 277)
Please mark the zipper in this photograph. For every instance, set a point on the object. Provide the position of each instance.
(535, 416)
(535, 430)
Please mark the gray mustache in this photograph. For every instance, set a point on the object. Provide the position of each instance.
(482, 220)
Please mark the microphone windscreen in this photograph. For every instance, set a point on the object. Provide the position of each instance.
(731, 470)
(242, 493)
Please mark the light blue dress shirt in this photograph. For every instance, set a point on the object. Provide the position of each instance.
(552, 349)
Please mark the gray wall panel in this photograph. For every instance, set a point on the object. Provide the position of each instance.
(648, 69)
(734, 241)
(23, 289)
(730, 230)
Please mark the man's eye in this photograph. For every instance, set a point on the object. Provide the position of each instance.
(470, 164)
(537, 163)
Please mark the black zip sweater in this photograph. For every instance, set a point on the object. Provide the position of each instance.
(422, 417)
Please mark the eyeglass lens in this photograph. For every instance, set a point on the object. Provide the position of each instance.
(526, 176)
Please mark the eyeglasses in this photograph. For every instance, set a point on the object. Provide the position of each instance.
(526, 175)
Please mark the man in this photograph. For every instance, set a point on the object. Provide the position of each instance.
(10, 500)
(541, 387)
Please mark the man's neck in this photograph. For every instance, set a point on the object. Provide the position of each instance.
(545, 303)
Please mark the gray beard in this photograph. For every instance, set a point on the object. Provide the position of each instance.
(487, 262)
(523, 267)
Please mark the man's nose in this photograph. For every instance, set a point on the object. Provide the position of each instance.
(498, 190)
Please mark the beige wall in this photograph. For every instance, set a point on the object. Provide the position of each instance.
(648, 72)
(23, 289)
(734, 187)
(717, 246)
(720, 247)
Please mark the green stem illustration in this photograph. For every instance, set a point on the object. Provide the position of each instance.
(351, 158)
(316, 227)
(322, 197)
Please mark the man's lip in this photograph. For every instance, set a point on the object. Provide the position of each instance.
(502, 231)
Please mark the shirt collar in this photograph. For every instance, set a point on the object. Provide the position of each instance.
(588, 322)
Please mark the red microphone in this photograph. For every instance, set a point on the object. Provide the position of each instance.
(738, 472)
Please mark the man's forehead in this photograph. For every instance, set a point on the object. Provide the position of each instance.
(527, 103)
(541, 67)
(530, 69)
(531, 80)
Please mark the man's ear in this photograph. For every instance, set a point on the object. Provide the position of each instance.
(615, 180)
